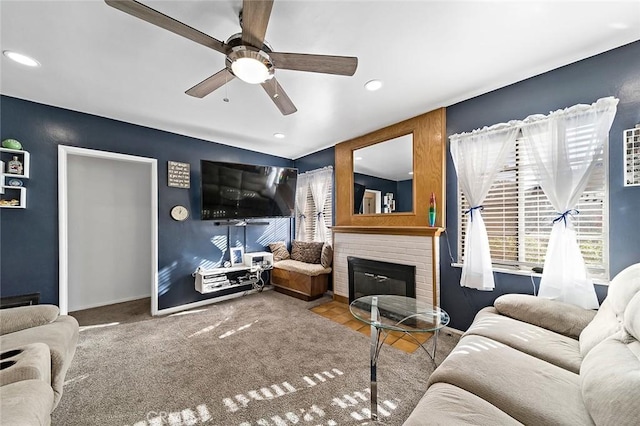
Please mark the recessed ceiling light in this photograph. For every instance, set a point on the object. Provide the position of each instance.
(278, 135)
(619, 25)
(358, 158)
(21, 59)
(411, 173)
(373, 85)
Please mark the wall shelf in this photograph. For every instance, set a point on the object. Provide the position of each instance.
(209, 281)
(7, 155)
(13, 197)
(632, 156)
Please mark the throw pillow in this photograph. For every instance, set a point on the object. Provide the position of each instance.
(279, 250)
(308, 252)
(327, 256)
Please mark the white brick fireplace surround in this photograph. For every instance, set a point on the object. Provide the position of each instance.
(420, 251)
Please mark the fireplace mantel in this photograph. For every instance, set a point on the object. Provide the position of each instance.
(390, 230)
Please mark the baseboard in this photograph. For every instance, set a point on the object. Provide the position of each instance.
(114, 302)
(180, 308)
(341, 299)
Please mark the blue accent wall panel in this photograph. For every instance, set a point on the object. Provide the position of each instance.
(316, 160)
(404, 189)
(29, 245)
(377, 184)
(613, 73)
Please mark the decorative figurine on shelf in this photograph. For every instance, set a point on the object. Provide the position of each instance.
(432, 210)
(15, 166)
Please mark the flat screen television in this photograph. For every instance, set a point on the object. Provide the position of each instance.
(245, 191)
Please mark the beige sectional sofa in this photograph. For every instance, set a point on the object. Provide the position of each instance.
(533, 361)
(36, 346)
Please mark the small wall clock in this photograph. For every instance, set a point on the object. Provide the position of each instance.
(179, 213)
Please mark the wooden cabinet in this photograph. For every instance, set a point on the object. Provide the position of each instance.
(299, 285)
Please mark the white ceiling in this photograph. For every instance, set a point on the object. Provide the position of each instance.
(429, 54)
(392, 159)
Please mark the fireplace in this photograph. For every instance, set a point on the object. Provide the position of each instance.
(369, 277)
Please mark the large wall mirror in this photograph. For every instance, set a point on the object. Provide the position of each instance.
(376, 164)
(383, 177)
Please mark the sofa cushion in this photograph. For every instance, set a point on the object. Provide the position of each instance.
(26, 362)
(527, 389)
(308, 252)
(311, 269)
(632, 318)
(608, 320)
(16, 319)
(61, 336)
(610, 376)
(279, 250)
(26, 403)
(326, 257)
(445, 404)
(553, 315)
(546, 345)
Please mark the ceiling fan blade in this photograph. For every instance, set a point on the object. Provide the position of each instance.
(255, 18)
(210, 84)
(341, 65)
(154, 17)
(279, 96)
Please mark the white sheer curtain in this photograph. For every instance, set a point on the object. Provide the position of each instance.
(477, 157)
(320, 184)
(564, 148)
(302, 190)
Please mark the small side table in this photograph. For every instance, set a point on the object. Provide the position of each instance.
(396, 313)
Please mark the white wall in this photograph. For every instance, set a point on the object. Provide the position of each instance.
(109, 231)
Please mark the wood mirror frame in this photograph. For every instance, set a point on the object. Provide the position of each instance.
(429, 162)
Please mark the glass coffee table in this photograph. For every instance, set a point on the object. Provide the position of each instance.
(386, 313)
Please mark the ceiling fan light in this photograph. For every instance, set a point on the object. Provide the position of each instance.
(250, 65)
(250, 70)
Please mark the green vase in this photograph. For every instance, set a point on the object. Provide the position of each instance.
(11, 144)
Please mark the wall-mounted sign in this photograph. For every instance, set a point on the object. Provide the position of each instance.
(178, 174)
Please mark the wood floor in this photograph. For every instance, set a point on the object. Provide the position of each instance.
(339, 312)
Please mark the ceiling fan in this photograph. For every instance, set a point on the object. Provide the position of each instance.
(249, 56)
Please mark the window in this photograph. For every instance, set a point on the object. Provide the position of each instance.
(519, 217)
(311, 215)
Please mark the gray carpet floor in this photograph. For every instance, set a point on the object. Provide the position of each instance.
(262, 359)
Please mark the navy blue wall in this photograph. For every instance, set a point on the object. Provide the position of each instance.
(316, 160)
(29, 245)
(404, 189)
(378, 184)
(614, 73)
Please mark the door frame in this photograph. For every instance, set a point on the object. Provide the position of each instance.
(378, 195)
(63, 217)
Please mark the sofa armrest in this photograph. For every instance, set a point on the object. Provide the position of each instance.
(560, 317)
(22, 317)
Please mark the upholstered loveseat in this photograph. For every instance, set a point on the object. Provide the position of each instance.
(36, 346)
(528, 360)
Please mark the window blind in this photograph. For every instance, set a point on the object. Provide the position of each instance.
(519, 217)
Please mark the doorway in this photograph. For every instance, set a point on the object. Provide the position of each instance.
(108, 228)
(371, 201)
